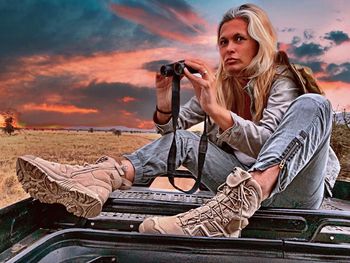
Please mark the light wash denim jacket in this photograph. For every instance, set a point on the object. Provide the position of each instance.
(246, 137)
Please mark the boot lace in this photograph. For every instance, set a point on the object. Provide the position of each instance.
(227, 200)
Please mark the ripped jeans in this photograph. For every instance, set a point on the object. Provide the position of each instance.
(300, 146)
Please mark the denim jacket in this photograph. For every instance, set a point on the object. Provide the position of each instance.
(246, 137)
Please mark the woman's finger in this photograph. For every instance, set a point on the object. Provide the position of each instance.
(200, 66)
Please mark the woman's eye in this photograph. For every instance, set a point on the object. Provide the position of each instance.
(222, 42)
(239, 38)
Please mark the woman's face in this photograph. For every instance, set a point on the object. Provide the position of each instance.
(237, 48)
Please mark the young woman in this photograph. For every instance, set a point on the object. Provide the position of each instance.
(269, 143)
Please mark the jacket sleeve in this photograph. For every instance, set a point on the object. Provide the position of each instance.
(248, 137)
(190, 114)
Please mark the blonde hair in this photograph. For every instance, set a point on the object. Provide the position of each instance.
(261, 68)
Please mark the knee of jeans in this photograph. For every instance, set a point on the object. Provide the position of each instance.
(318, 102)
(316, 98)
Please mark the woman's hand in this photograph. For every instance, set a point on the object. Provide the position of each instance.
(204, 87)
(163, 92)
(205, 90)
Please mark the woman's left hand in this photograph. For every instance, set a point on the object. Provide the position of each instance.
(205, 86)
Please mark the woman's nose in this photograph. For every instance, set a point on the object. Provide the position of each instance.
(231, 47)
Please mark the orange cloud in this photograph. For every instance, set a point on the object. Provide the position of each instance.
(128, 99)
(65, 109)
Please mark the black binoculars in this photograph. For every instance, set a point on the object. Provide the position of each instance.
(176, 68)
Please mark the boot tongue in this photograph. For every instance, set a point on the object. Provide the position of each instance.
(236, 177)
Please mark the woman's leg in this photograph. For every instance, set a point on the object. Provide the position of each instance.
(151, 160)
(299, 147)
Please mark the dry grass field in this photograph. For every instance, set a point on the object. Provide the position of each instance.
(80, 147)
(64, 147)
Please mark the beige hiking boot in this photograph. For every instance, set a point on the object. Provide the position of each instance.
(81, 189)
(225, 215)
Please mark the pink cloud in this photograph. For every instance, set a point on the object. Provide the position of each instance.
(170, 28)
(124, 67)
(338, 93)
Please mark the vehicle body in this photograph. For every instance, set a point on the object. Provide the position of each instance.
(35, 232)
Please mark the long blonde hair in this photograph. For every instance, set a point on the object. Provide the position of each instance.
(261, 69)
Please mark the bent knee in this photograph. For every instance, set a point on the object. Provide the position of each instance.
(311, 102)
(313, 97)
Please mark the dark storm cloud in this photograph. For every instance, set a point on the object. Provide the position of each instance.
(338, 37)
(41, 88)
(338, 72)
(65, 27)
(309, 50)
(154, 66)
(316, 66)
(109, 95)
(106, 98)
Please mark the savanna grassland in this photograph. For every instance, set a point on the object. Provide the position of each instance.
(85, 147)
(64, 147)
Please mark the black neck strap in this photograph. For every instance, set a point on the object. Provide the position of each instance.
(202, 148)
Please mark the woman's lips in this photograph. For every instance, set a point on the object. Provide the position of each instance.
(231, 60)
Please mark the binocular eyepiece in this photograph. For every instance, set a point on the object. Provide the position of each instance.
(176, 68)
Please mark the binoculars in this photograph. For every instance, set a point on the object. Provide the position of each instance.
(176, 68)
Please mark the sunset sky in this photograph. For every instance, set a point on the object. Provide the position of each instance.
(91, 62)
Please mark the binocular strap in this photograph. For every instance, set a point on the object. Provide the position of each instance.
(202, 148)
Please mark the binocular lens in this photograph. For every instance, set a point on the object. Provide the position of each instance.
(176, 68)
(167, 70)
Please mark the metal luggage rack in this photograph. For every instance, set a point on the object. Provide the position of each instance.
(125, 210)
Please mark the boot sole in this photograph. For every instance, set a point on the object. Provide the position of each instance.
(77, 198)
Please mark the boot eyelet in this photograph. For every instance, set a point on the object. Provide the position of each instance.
(225, 220)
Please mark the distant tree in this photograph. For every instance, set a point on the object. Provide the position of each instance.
(91, 130)
(117, 132)
(8, 125)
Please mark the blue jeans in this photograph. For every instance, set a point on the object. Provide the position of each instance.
(300, 145)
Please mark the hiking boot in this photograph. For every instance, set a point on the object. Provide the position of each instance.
(81, 189)
(225, 215)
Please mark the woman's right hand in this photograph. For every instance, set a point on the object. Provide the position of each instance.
(163, 92)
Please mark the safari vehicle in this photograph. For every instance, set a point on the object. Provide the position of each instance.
(35, 232)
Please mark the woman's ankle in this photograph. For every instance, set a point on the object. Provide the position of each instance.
(266, 179)
(129, 171)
